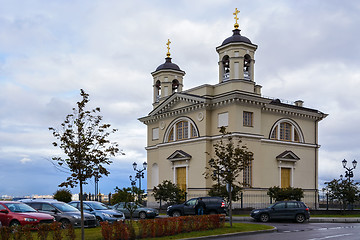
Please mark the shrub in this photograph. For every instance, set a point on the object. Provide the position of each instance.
(63, 195)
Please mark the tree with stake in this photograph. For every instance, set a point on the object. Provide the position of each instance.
(86, 145)
(230, 159)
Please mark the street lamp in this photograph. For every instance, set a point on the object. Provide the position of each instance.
(349, 173)
(139, 175)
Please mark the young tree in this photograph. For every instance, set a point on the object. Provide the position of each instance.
(168, 192)
(122, 195)
(344, 191)
(86, 146)
(289, 193)
(221, 191)
(229, 161)
(63, 195)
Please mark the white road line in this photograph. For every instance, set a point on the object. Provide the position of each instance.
(333, 236)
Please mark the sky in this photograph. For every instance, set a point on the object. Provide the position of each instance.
(49, 50)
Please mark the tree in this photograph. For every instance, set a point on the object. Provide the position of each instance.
(63, 195)
(168, 192)
(344, 191)
(229, 161)
(289, 193)
(86, 146)
(221, 191)
(122, 195)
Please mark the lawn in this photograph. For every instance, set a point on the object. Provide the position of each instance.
(95, 233)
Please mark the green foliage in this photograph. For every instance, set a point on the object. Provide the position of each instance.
(343, 190)
(221, 191)
(63, 195)
(280, 194)
(122, 195)
(168, 192)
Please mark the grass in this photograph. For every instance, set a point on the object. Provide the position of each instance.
(95, 233)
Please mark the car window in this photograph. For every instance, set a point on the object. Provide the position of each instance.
(191, 202)
(292, 205)
(37, 206)
(19, 207)
(97, 206)
(74, 204)
(2, 207)
(279, 206)
(47, 207)
(63, 207)
(86, 207)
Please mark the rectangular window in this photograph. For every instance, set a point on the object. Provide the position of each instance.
(248, 119)
(285, 177)
(247, 175)
(223, 119)
(155, 133)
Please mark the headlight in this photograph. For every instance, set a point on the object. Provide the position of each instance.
(76, 216)
(30, 219)
(107, 215)
(256, 211)
(149, 211)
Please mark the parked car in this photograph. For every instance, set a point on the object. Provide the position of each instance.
(292, 210)
(214, 205)
(16, 213)
(140, 211)
(62, 212)
(100, 210)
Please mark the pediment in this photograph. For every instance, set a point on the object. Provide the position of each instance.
(179, 155)
(177, 101)
(288, 156)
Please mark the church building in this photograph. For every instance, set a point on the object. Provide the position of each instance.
(184, 126)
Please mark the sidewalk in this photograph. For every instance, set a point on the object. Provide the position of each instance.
(312, 219)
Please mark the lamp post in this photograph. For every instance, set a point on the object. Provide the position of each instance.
(349, 173)
(96, 183)
(139, 175)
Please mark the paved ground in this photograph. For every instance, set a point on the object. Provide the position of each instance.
(312, 219)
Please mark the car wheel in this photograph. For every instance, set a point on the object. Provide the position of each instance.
(176, 214)
(14, 224)
(64, 223)
(300, 218)
(264, 217)
(142, 215)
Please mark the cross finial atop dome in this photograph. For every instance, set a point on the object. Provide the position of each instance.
(236, 25)
(168, 48)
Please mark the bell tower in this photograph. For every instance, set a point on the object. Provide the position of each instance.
(236, 57)
(167, 79)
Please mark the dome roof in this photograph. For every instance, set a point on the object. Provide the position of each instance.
(236, 37)
(168, 65)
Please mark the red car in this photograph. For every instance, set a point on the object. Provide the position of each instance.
(17, 213)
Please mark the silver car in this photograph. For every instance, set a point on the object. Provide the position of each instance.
(140, 211)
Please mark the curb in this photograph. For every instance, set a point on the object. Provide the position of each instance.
(314, 220)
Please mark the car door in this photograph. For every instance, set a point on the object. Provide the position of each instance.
(4, 219)
(121, 207)
(189, 207)
(292, 209)
(278, 211)
(47, 208)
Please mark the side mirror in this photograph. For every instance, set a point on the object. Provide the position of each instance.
(4, 211)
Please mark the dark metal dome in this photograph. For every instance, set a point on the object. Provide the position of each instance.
(236, 37)
(168, 65)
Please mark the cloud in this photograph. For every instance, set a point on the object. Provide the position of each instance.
(25, 160)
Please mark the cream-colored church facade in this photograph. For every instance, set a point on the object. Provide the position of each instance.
(184, 125)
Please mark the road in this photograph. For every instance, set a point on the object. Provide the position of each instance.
(306, 231)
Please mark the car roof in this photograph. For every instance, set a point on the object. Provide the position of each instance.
(39, 200)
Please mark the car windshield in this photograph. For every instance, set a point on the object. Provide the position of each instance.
(98, 206)
(63, 207)
(19, 207)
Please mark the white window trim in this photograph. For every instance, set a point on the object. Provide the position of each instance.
(294, 126)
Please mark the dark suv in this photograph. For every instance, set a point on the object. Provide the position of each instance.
(292, 210)
(62, 212)
(214, 205)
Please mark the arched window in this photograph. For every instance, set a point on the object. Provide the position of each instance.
(175, 85)
(247, 65)
(226, 68)
(286, 130)
(183, 128)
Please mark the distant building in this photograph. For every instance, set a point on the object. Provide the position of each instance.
(184, 125)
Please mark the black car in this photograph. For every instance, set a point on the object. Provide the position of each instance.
(214, 205)
(291, 210)
(62, 212)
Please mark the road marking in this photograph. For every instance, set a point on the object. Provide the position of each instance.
(333, 236)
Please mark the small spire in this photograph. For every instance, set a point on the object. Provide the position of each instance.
(236, 25)
(168, 48)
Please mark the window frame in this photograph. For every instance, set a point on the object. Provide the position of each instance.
(248, 119)
(183, 126)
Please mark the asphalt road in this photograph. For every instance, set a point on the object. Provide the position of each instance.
(305, 231)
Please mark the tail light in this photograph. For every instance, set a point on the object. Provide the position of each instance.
(307, 209)
(222, 204)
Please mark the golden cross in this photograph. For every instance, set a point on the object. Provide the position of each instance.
(236, 25)
(168, 48)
